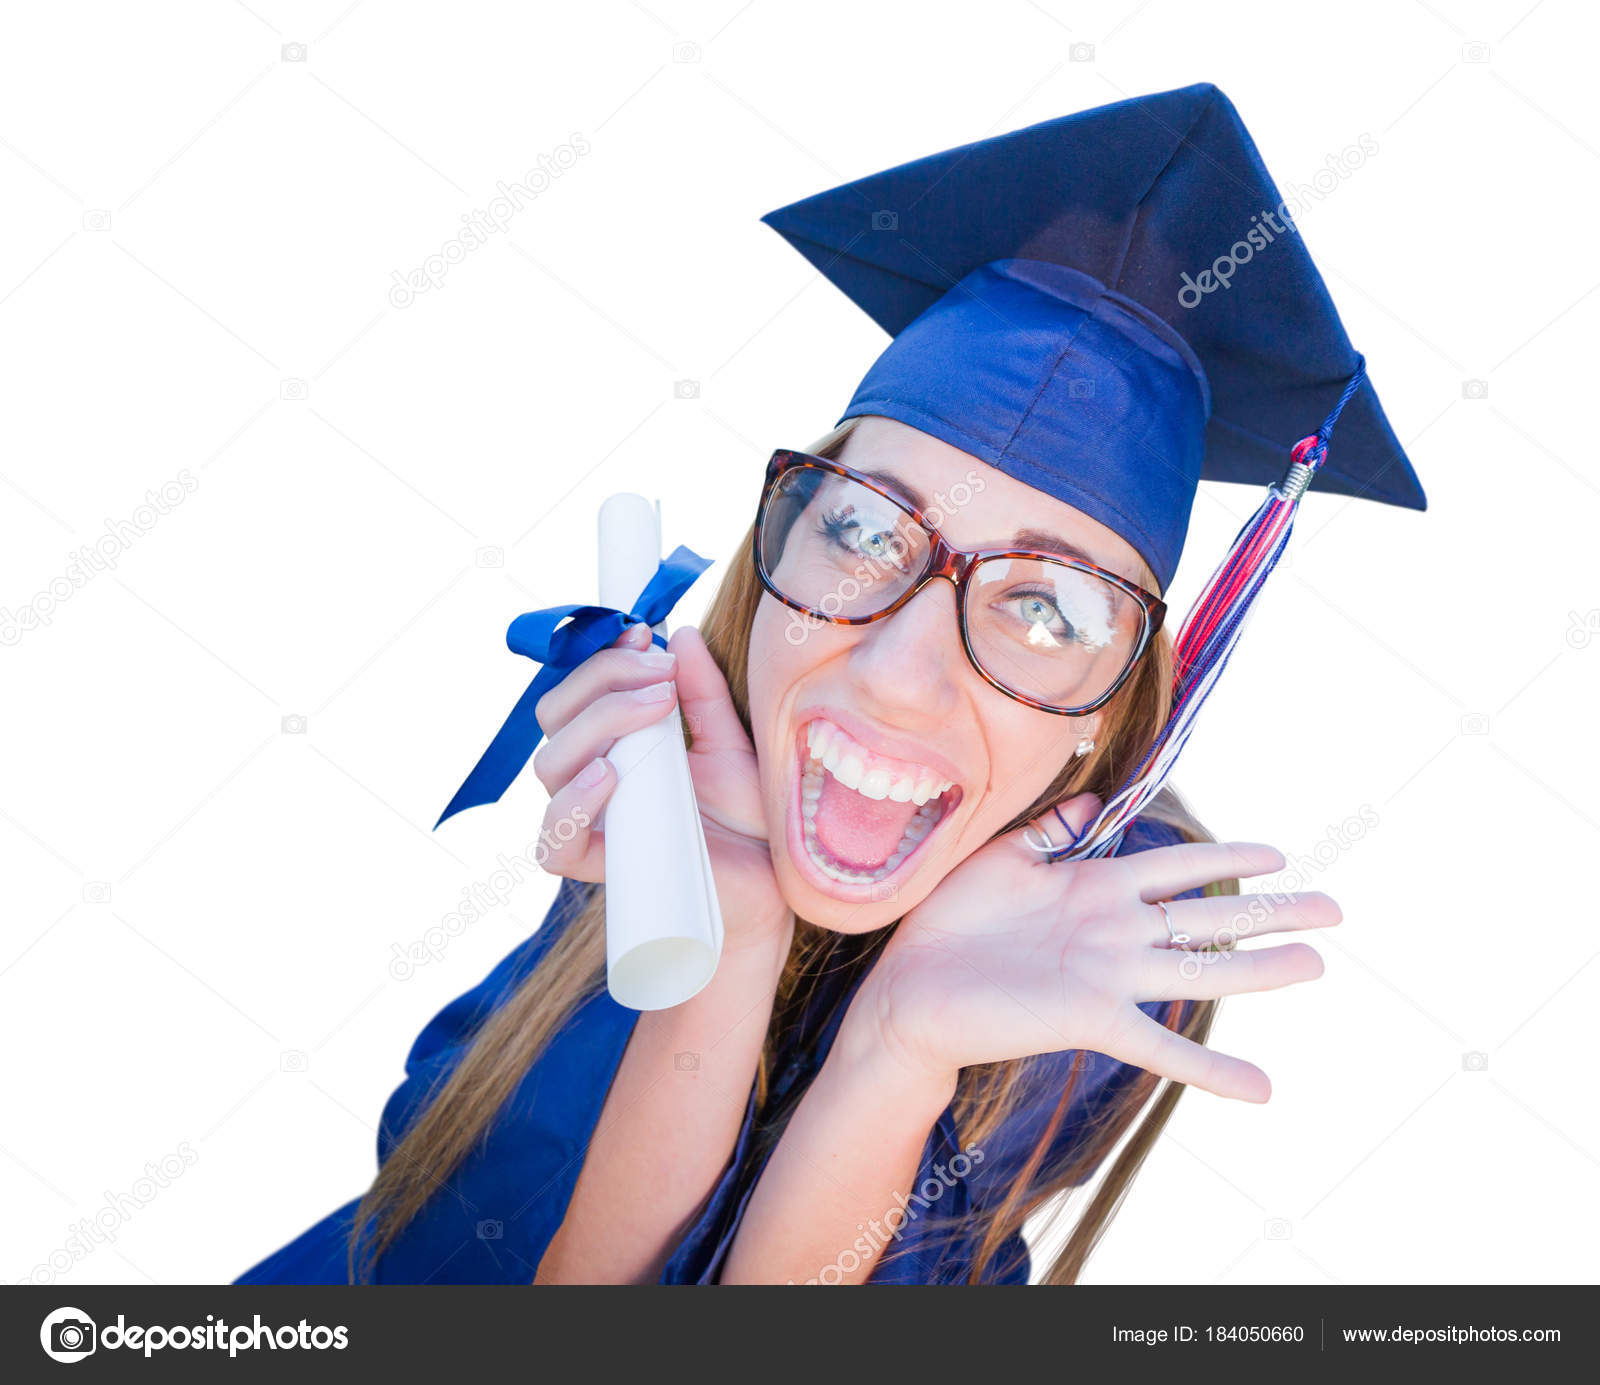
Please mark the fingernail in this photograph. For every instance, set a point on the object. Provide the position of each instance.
(656, 692)
(591, 774)
(638, 635)
(657, 658)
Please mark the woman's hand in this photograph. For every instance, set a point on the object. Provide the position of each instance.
(632, 685)
(665, 1134)
(1012, 956)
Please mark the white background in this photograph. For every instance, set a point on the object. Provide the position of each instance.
(200, 909)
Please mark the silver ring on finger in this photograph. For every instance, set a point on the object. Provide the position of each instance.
(1044, 846)
(1039, 839)
(1178, 939)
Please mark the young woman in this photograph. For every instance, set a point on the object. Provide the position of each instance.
(939, 661)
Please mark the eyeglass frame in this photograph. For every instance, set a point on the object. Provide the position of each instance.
(957, 564)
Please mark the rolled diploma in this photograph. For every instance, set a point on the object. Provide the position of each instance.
(663, 923)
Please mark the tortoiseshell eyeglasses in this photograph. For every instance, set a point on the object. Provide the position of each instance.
(1056, 632)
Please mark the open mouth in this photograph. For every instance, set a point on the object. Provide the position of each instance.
(864, 815)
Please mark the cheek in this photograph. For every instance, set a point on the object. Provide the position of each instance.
(768, 655)
(1026, 751)
(786, 657)
(780, 656)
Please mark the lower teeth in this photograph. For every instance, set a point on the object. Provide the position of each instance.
(922, 822)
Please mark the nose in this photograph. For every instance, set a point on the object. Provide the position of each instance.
(909, 664)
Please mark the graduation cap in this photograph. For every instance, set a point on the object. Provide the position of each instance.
(1111, 307)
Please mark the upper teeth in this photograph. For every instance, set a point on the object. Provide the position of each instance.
(869, 774)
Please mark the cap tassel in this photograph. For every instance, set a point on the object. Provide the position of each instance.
(1210, 632)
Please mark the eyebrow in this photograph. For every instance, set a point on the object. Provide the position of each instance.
(1051, 543)
(1041, 539)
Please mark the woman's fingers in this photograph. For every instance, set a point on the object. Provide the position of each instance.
(708, 708)
(595, 729)
(630, 663)
(1168, 870)
(1154, 1047)
(568, 843)
(1183, 974)
(1226, 918)
(1058, 827)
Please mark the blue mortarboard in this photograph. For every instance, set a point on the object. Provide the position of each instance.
(1108, 306)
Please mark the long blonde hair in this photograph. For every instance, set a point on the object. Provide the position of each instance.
(460, 1109)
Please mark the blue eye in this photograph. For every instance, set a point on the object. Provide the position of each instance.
(846, 533)
(1039, 612)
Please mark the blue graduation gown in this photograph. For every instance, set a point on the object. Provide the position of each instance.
(492, 1220)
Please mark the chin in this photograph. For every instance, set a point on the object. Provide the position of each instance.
(864, 836)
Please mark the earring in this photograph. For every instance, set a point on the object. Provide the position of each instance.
(1085, 745)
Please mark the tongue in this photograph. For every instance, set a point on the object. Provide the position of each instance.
(856, 831)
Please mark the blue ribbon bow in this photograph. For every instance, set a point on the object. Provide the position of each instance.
(561, 638)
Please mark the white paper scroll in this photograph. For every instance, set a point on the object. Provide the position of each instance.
(663, 924)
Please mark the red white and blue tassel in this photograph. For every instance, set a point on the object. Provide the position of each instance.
(1209, 634)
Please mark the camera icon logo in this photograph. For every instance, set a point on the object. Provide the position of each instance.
(686, 52)
(1277, 1229)
(1475, 52)
(1474, 389)
(1474, 724)
(686, 1062)
(685, 389)
(882, 892)
(293, 725)
(491, 557)
(1080, 389)
(67, 1334)
(293, 389)
(491, 1231)
(1474, 1062)
(293, 1060)
(97, 892)
(294, 52)
(97, 220)
(1081, 53)
(886, 221)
